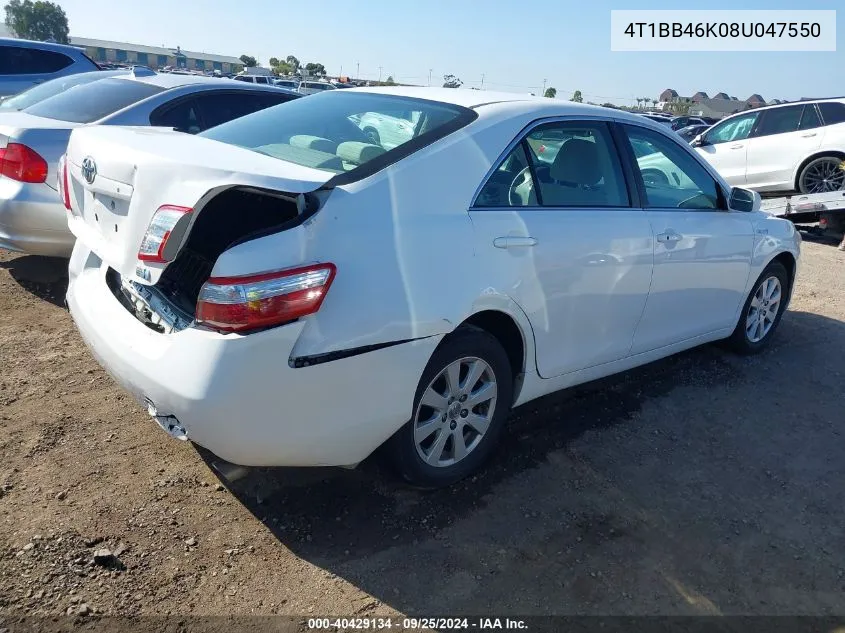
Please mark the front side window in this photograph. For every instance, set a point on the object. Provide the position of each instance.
(779, 121)
(182, 116)
(670, 176)
(93, 101)
(735, 129)
(321, 131)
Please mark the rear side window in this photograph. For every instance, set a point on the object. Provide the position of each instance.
(17, 60)
(182, 116)
(779, 121)
(93, 101)
(217, 108)
(832, 112)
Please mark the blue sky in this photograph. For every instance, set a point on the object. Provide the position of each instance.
(515, 45)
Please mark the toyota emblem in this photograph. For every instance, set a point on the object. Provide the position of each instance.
(89, 169)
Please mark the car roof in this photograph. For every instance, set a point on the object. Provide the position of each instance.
(169, 81)
(44, 46)
(783, 105)
(489, 102)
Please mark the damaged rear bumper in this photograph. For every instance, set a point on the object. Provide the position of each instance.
(238, 395)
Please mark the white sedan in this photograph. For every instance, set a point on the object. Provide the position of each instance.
(283, 291)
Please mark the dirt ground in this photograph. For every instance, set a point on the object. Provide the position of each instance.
(702, 484)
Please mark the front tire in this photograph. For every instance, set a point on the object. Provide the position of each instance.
(762, 311)
(460, 407)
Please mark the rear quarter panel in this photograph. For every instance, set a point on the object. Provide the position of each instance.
(402, 241)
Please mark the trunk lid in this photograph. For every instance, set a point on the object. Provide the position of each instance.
(137, 170)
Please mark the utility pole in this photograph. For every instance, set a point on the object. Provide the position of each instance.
(379, 74)
(544, 87)
(358, 72)
(429, 77)
(482, 81)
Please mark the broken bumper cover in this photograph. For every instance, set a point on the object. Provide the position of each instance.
(237, 395)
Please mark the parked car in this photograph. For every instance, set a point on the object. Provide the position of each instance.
(406, 297)
(388, 129)
(290, 84)
(315, 87)
(24, 63)
(262, 80)
(689, 132)
(796, 146)
(679, 122)
(657, 118)
(53, 87)
(32, 219)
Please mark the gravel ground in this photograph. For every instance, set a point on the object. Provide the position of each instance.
(702, 484)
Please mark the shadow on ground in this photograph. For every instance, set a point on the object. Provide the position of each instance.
(44, 277)
(343, 520)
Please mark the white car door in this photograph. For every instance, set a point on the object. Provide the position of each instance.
(783, 137)
(555, 225)
(725, 146)
(702, 250)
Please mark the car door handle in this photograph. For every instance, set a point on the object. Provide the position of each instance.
(737, 146)
(514, 241)
(669, 236)
(808, 134)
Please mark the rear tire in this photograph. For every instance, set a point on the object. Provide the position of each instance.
(762, 311)
(822, 175)
(455, 424)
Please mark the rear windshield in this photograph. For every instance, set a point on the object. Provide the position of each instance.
(51, 89)
(93, 101)
(339, 130)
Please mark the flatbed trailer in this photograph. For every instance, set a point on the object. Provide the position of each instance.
(819, 214)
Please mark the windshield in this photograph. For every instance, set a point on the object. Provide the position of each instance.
(93, 101)
(51, 89)
(339, 131)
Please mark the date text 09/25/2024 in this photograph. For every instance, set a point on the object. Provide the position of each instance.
(415, 624)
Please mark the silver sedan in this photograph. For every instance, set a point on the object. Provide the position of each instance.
(32, 217)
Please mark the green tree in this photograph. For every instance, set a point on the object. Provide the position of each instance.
(576, 97)
(274, 61)
(551, 93)
(249, 61)
(390, 81)
(283, 68)
(293, 62)
(450, 81)
(315, 69)
(39, 20)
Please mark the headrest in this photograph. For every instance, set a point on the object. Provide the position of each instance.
(577, 162)
(358, 153)
(313, 142)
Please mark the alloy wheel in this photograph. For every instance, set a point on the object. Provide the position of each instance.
(455, 411)
(823, 175)
(763, 309)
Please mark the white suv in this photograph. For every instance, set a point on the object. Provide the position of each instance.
(795, 146)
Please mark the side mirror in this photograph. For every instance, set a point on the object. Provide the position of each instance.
(699, 141)
(744, 200)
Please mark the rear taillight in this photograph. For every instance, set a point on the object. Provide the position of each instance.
(64, 183)
(238, 304)
(159, 231)
(22, 163)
